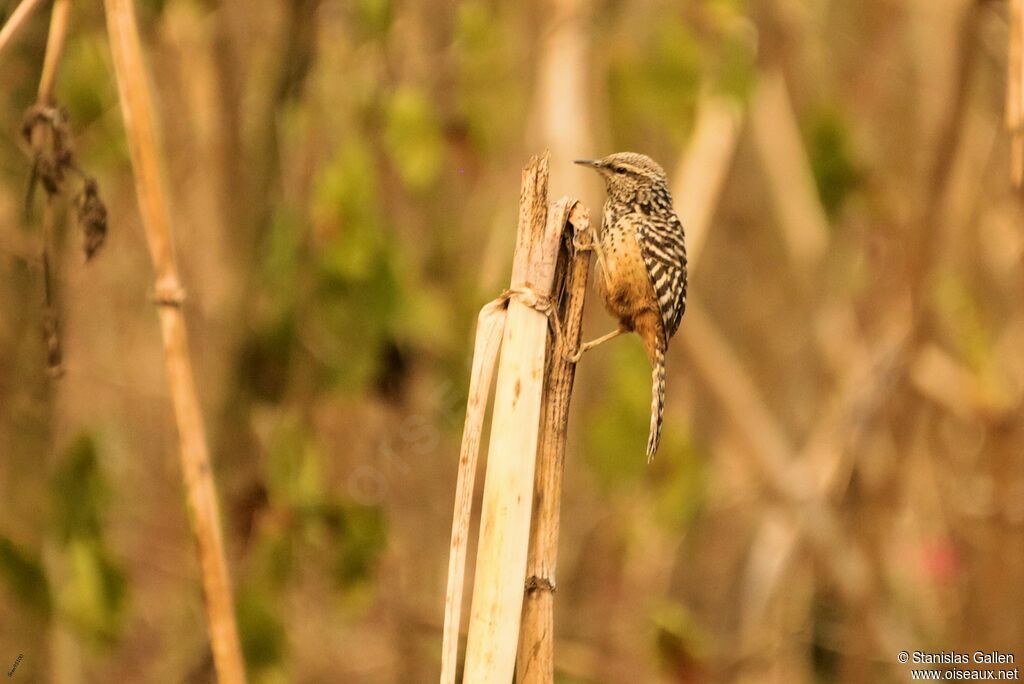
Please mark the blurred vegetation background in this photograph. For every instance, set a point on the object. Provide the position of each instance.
(344, 179)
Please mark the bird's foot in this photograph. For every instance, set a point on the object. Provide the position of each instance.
(580, 245)
(575, 358)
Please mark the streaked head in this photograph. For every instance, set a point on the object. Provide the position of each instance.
(628, 175)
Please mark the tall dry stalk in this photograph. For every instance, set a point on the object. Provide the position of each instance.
(507, 498)
(702, 168)
(788, 171)
(535, 664)
(139, 124)
(43, 134)
(791, 481)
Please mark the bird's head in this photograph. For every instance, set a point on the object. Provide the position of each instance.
(629, 176)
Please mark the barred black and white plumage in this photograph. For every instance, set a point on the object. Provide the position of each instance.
(642, 256)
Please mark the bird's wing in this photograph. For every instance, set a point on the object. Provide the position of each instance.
(664, 251)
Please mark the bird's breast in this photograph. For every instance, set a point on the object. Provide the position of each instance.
(624, 286)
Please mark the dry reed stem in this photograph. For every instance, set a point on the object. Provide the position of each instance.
(827, 456)
(788, 480)
(535, 663)
(489, 328)
(788, 172)
(54, 50)
(508, 487)
(136, 109)
(772, 453)
(38, 137)
(561, 119)
(943, 380)
(806, 233)
(824, 452)
(16, 21)
(1015, 91)
(702, 169)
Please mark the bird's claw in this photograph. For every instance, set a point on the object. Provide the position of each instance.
(580, 246)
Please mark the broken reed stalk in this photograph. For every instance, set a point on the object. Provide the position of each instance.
(136, 109)
(515, 425)
(535, 664)
(490, 325)
(17, 19)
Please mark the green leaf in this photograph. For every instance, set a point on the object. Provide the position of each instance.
(94, 597)
(412, 137)
(294, 466)
(680, 641)
(654, 85)
(357, 291)
(617, 432)
(361, 532)
(80, 491)
(490, 97)
(680, 475)
(836, 172)
(264, 640)
(24, 576)
(374, 16)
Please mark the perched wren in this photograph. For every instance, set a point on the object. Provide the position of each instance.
(641, 253)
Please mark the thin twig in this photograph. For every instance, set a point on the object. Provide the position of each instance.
(139, 123)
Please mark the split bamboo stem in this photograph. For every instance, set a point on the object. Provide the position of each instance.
(490, 325)
(508, 488)
(535, 663)
(140, 128)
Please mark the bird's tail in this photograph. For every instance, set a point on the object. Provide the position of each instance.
(657, 401)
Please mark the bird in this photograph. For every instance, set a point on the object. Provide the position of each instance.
(641, 250)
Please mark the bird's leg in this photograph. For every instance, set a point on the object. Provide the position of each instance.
(574, 358)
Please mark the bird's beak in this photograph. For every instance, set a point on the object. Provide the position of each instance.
(587, 162)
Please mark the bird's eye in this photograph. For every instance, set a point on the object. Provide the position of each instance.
(620, 169)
